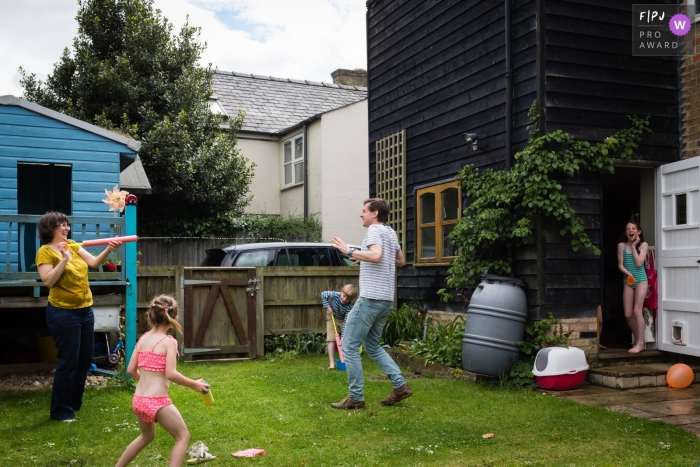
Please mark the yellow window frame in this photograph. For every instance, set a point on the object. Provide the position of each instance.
(437, 223)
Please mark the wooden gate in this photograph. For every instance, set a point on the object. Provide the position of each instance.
(220, 312)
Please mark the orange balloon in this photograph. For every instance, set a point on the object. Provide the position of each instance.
(679, 376)
(630, 280)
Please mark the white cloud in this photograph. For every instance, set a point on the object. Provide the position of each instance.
(33, 35)
(301, 39)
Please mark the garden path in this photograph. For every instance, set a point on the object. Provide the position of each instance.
(680, 407)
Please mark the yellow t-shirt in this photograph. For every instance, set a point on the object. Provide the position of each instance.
(72, 289)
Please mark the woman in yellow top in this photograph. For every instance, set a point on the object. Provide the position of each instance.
(63, 267)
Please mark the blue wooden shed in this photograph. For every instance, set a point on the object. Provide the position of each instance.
(50, 161)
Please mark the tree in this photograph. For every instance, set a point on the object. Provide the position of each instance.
(128, 72)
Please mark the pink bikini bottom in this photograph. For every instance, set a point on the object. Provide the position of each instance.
(145, 407)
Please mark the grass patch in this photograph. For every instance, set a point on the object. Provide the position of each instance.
(284, 408)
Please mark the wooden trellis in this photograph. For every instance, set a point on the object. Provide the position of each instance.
(391, 180)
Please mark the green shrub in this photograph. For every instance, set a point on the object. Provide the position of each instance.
(404, 324)
(443, 344)
(257, 227)
(537, 336)
(295, 344)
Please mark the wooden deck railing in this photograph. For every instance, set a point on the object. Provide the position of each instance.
(18, 268)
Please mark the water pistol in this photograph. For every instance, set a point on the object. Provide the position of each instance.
(105, 241)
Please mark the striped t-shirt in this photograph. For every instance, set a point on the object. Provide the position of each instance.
(331, 299)
(377, 279)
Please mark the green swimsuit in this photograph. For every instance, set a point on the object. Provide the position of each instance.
(638, 272)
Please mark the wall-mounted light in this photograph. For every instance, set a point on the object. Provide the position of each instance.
(472, 138)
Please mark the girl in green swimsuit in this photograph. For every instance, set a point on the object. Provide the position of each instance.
(630, 259)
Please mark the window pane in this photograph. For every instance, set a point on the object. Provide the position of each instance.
(282, 258)
(299, 148)
(309, 257)
(346, 261)
(681, 210)
(298, 172)
(252, 258)
(287, 152)
(427, 208)
(450, 204)
(427, 248)
(447, 248)
(215, 107)
(288, 174)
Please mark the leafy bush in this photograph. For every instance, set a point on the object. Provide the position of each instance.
(404, 324)
(290, 229)
(257, 227)
(538, 336)
(295, 344)
(443, 344)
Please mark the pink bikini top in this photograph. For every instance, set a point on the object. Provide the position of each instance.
(151, 361)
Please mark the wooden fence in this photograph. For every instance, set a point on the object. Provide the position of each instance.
(291, 296)
(155, 280)
(287, 299)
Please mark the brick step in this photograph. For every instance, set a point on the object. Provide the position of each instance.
(622, 357)
(645, 375)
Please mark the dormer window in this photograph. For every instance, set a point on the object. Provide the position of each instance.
(216, 107)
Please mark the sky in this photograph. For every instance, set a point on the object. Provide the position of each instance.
(299, 39)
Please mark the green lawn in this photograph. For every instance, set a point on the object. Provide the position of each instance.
(283, 407)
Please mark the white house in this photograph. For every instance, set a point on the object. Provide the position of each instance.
(309, 141)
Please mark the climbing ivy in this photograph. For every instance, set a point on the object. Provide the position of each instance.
(506, 203)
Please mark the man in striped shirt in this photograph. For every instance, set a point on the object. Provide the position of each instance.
(379, 257)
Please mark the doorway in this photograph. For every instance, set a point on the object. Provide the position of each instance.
(627, 192)
(41, 188)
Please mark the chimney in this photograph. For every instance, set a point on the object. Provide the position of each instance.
(356, 77)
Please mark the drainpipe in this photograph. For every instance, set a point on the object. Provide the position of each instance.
(509, 87)
(306, 172)
(509, 103)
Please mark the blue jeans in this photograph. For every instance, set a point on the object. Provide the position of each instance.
(364, 326)
(73, 333)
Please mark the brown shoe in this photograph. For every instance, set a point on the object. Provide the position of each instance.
(348, 404)
(398, 395)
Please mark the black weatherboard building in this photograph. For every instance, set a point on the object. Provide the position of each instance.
(439, 69)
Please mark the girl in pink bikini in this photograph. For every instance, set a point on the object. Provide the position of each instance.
(153, 365)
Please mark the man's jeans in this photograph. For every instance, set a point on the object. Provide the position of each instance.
(364, 326)
(73, 333)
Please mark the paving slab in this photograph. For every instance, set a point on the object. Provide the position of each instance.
(692, 428)
(585, 390)
(683, 407)
(680, 407)
(633, 411)
(610, 399)
(672, 394)
(690, 419)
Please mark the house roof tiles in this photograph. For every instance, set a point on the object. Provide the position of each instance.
(273, 104)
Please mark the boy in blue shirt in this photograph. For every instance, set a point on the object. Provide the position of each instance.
(339, 305)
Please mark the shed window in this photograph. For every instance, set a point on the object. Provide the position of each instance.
(439, 209)
(293, 161)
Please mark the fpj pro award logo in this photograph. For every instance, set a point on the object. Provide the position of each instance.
(663, 30)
